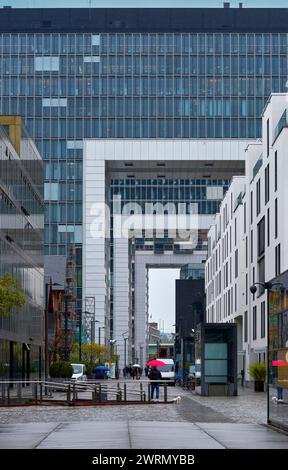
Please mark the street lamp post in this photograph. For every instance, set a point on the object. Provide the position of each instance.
(268, 287)
(112, 344)
(125, 340)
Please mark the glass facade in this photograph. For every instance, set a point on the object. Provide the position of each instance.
(74, 86)
(193, 271)
(21, 254)
(70, 86)
(278, 352)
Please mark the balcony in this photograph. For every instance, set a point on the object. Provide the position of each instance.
(257, 166)
(283, 122)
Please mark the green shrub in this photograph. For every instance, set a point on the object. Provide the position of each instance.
(258, 371)
(61, 369)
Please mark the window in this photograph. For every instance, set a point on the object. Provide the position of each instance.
(246, 289)
(261, 275)
(236, 264)
(254, 330)
(54, 102)
(244, 217)
(51, 191)
(267, 184)
(245, 327)
(46, 64)
(275, 171)
(261, 237)
(268, 227)
(251, 207)
(95, 40)
(263, 321)
(276, 218)
(267, 136)
(246, 252)
(277, 260)
(258, 197)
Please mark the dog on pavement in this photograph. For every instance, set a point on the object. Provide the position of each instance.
(177, 400)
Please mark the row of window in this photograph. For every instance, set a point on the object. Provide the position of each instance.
(70, 234)
(154, 42)
(167, 182)
(144, 128)
(140, 86)
(63, 191)
(63, 170)
(66, 213)
(146, 65)
(130, 107)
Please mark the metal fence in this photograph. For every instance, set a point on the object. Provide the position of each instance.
(71, 392)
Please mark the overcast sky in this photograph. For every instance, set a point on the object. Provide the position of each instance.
(162, 297)
(139, 3)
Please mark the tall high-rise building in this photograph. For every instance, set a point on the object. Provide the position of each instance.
(146, 74)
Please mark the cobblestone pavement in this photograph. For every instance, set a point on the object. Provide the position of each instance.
(248, 407)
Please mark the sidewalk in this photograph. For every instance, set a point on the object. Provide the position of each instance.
(140, 435)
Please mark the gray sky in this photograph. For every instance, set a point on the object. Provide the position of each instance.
(162, 296)
(140, 3)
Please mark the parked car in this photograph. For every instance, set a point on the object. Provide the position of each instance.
(79, 372)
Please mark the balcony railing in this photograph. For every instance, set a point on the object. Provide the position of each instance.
(257, 166)
(283, 122)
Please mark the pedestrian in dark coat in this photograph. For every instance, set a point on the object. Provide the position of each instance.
(155, 375)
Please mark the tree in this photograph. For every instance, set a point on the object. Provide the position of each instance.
(94, 354)
(12, 298)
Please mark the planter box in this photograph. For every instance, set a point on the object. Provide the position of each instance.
(259, 386)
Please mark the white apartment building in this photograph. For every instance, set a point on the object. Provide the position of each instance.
(248, 242)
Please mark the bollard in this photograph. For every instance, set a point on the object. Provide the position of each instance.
(149, 392)
(144, 396)
(3, 392)
(74, 392)
(36, 392)
(125, 392)
(165, 392)
(41, 391)
(100, 393)
(19, 391)
(8, 394)
(69, 394)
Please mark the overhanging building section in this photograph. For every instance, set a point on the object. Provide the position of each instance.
(138, 168)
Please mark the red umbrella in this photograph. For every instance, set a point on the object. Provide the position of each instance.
(155, 363)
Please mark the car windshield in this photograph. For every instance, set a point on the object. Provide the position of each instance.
(166, 368)
(77, 369)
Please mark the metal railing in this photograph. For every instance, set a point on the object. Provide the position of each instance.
(78, 392)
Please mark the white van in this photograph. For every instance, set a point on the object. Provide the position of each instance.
(167, 371)
(79, 372)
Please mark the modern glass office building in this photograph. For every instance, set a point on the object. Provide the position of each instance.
(21, 249)
(129, 74)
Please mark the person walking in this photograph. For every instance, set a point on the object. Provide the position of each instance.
(155, 375)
